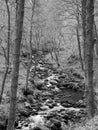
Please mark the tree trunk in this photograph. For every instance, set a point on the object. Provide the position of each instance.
(89, 57)
(84, 32)
(78, 38)
(6, 55)
(56, 53)
(15, 72)
(30, 57)
(96, 43)
(79, 48)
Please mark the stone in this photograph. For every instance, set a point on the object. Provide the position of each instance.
(27, 105)
(25, 128)
(23, 111)
(37, 119)
(36, 128)
(66, 105)
(30, 98)
(43, 108)
(38, 83)
(29, 91)
(56, 126)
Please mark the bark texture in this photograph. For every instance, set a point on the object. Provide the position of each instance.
(84, 31)
(89, 58)
(15, 72)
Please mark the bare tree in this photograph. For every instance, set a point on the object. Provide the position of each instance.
(56, 50)
(30, 47)
(8, 51)
(78, 35)
(15, 72)
(73, 8)
(83, 3)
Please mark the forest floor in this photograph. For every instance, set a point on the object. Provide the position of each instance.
(74, 64)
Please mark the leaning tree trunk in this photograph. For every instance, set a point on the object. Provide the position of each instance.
(89, 57)
(15, 72)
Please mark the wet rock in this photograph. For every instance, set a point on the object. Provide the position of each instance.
(25, 128)
(66, 105)
(56, 126)
(37, 119)
(30, 99)
(28, 91)
(36, 128)
(51, 105)
(44, 108)
(53, 82)
(23, 111)
(38, 83)
(27, 105)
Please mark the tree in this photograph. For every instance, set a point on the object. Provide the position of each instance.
(8, 51)
(96, 44)
(30, 47)
(73, 21)
(84, 31)
(88, 50)
(15, 71)
(78, 35)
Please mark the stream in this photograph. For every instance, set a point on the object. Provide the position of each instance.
(58, 99)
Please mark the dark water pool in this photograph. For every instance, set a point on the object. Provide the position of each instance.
(69, 96)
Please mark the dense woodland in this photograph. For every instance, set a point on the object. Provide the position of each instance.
(49, 64)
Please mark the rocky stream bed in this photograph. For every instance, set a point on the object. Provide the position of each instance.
(53, 99)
